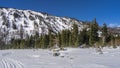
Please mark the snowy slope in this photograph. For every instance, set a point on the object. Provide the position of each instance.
(73, 58)
(12, 20)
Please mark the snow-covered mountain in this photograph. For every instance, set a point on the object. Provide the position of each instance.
(13, 20)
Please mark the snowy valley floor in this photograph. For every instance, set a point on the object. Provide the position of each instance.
(72, 58)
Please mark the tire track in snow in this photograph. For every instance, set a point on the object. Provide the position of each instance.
(10, 63)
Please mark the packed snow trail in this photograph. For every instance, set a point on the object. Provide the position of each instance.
(7, 62)
(10, 63)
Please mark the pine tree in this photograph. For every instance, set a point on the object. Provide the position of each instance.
(104, 30)
(93, 32)
(22, 44)
(104, 33)
(46, 41)
(31, 42)
(37, 43)
(40, 41)
(63, 38)
(67, 37)
(84, 37)
(59, 39)
(36, 37)
(71, 39)
(75, 35)
(50, 39)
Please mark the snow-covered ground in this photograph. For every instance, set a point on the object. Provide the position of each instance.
(71, 58)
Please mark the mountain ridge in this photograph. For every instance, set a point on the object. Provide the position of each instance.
(13, 20)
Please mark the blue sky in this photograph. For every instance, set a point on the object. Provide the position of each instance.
(105, 11)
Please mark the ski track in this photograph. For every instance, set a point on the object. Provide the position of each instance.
(10, 63)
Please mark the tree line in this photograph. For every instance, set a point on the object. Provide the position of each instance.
(68, 38)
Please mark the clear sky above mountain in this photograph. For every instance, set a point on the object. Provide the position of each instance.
(107, 11)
